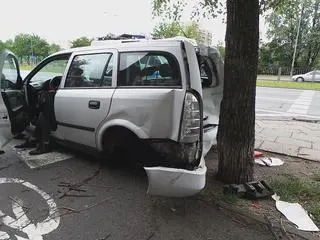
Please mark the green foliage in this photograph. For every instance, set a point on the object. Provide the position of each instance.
(172, 9)
(80, 42)
(27, 45)
(167, 30)
(2, 45)
(282, 31)
(287, 84)
(220, 46)
(54, 48)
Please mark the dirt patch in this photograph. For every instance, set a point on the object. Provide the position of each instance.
(301, 169)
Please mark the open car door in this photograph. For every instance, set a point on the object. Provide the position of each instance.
(13, 96)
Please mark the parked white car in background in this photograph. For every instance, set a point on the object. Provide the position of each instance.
(307, 77)
(126, 96)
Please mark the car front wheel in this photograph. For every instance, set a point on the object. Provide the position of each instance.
(300, 79)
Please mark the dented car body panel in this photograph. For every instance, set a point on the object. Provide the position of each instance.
(182, 182)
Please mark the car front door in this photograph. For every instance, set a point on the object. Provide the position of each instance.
(84, 100)
(13, 101)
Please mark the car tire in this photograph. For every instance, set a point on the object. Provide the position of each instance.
(300, 79)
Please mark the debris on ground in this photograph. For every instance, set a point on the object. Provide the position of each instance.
(250, 190)
(260, 159)
(2, 152)
(269, 161)
(295, 213)
(258, 154)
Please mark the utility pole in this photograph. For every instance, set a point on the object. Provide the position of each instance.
(296, 42)
(31, 49)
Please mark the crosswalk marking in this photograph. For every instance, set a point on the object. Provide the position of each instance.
(302, 104)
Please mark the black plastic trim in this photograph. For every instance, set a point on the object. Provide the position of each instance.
(89, 129)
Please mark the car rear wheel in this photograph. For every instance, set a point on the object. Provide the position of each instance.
(300, 79)
(123, 148)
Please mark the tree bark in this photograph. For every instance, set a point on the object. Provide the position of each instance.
(236, 134)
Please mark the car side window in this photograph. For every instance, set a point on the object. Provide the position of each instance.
(9, 73)
(157, 69)
(91, 70)
(50, 70)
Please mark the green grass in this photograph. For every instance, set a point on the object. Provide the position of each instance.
(26, 67)
(48, 68)
(230, 198)
(305, 192)
(287, 84)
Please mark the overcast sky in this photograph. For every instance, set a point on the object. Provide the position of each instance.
(60, 21)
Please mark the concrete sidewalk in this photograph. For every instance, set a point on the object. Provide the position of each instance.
(293, 138)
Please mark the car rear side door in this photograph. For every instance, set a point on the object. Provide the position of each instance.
(84, 99)
(13, 102)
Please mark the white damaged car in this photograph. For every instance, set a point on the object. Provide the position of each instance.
(156, 100)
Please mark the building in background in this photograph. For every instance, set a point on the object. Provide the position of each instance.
(204, 37)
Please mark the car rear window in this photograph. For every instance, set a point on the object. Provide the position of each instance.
(155, 69)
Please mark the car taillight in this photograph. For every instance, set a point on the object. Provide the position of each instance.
(190, 125)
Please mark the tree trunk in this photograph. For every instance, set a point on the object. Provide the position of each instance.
(236, 134)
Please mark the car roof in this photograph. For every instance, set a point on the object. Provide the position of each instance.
(122, 44)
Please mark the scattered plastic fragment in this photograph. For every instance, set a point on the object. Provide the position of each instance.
(269, 161)
(296, 214)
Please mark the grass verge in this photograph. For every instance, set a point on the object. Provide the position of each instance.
(26, 67)
(285, 84)
(293, 189)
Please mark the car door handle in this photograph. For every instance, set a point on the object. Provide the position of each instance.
(94, 104)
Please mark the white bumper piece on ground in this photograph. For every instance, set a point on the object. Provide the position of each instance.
(173, 182)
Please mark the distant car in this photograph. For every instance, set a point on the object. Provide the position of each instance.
(307, 77)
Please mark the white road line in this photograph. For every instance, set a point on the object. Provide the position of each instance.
(39, 160)
(43, 159)
(270, 113)
(21, 222)
(302, 104)
(275, 99)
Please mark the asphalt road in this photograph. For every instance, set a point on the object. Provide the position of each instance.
(278, 103)
(84, 198)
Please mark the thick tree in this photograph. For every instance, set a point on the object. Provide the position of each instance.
(236, 133)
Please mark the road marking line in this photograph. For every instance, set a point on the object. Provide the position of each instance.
(43, 159)
(285, 114)
(21, 222)
(38, 160)
(276, 99)
(302, 104)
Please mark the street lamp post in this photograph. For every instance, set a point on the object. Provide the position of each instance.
(296, 41)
